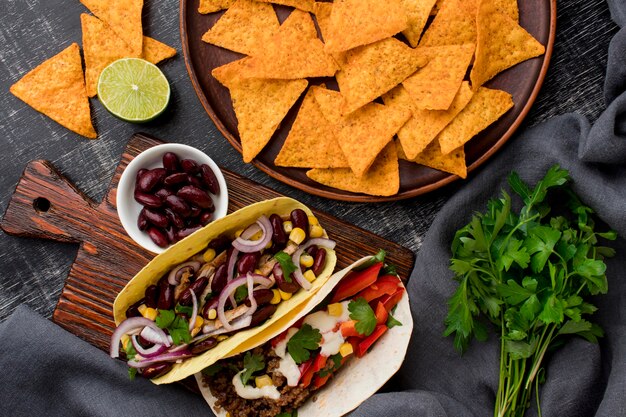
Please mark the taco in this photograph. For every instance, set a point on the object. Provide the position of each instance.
(352, 336)
(221, 290)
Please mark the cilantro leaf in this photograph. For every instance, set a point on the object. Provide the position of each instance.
(286, 264)
(251, 363)
(336, 360)
(212, 370)
(179, 330)
(184, 309)
(365, 317)
(389, 269)
(241, 293)
(392, 322)
(379, 257)
(305, 339)
(165, 318)
(132, 373)
(130, 355)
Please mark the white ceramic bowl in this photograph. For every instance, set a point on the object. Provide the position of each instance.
(128, 209)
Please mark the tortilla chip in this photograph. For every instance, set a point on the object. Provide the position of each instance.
(436, 7)
(364, 133)
(383, 178)
(453, 162)
(311, 142)
(124, 17)
(435, 86)
(155, 51)
(322, 13)
(260, 104)
(425, 125)
(101, 46)
(294, 52)
(56, 88)
(305, 5)
(360, 22)
(211, 6)
(370, 71)
(502, 43)
(245, 27)
(508, 7)
(417, 12)
(485, 107)
(455, 24)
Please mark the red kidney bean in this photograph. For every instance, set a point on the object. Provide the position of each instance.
(171, 162)
(133, 310)
(175, 179)
(300, 219)
(195, 196)
(195, 181)
(151, 296)
(197, 287)
(174, 218)
(247, 262)
(204, 345)
(205, 217)
(219, 280)
(151, 179)
(189, 166)
(140, 174)
(209, 178)
(166, 295)
(312, 250)
(179, 205)
(262, 314)
(319, 261)
(281, 281)
(279, 237)
(212, 303)
(156, 370)
(147, 200)
(183, 233)
(261, 296)
(219, 244)
(162, 193)
(158, 237)
(171, 234)
(142, 222)
(195, 211)
(157, 218)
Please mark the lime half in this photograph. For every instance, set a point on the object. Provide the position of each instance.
(133, 89)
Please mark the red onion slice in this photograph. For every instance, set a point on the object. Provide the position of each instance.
(248, 246)
(230, 289)
(237, 324)
(174, 276)
(127, 327)
(149, 352)
(194, 311)
(297, 274)
(166, 357)
(253, 303)
(155, 337)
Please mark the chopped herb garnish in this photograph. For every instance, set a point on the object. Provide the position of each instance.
(336, 359)
(365, 317)
(303, 341)
(286, 264)
(132, 373)
(389, 269)
(165, 318)
(130, 355)
(241, 293)
(177, 326)
(212, 370)
(392, 322)
(251, 364)
(379, 257)
(184, 310)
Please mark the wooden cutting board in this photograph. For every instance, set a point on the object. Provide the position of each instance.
(46, 205)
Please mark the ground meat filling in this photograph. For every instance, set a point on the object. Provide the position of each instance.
(222, 388)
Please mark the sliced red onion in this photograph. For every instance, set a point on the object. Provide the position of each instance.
(250, 231)
(179, 347)
(153, 336)
(232, 261)
(297, 274)
(128, 326)
(253, 303)
(237, 324)
(174, 276)
(149, 352)
(230, 289)
(247, 246)
(166, 357)
(194, 311)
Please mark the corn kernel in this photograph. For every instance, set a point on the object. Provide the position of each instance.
(345, 349)
(221, 337)
(195, 331)
(256, 236)
(269, 244)
(309, 275)
(212, 314)
(199, 322)
(209, 255)
(287, 226)
(150, 313)
(297, 235)
(316, 231)
(313, 220)
(306, 260)
(285, 295)
(142, 308)
(276, 298)
(335, 309)
(228, 414)
(263, 381)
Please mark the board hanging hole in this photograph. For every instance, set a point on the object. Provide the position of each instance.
(41, 204)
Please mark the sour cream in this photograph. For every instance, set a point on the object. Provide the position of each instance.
(287, 366)
(252, 393)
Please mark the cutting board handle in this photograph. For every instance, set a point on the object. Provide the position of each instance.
(46, 205)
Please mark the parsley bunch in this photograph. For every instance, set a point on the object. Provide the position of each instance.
(527, 272)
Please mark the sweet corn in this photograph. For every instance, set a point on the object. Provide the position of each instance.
(199, 322)
(212, 314)
(306, 260)
(297, 235)
(316, 231)
(221, 337)
(285, 295)
(142, 308)
(287, 226)
(313, 220)
(150, 313)
(335, 309)
(228, 414)
(345, 349)
(309, 275)
(269, 244)
(276, 298)
(195, 331)
(209, 255)
(263, 381)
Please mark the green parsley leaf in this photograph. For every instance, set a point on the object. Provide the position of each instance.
(132, 373)
(179, 330)
(251, 364)
(379, 257)
(241, 293)
(389, 269)
(286, 264)
(212, 370)
(165, 318)
(130, 351)
(336, 360)
(392, 322)
(305, 339)
(365, 317)
(184, 309)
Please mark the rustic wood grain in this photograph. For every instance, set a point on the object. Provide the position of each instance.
(46, 205)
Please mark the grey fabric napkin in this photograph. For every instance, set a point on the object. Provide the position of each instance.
(47, 371)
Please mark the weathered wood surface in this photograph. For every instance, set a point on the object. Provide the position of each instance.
(33, 271)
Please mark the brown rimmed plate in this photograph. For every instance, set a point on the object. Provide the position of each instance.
(523, 81)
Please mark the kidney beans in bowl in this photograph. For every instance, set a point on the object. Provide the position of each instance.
(167, 192)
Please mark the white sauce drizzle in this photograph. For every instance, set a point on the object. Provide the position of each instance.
(287, 366)
(253, 393)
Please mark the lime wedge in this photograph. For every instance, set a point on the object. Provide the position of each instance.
(133, 89)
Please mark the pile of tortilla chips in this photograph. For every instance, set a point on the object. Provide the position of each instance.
(411, 69)
(58, 87)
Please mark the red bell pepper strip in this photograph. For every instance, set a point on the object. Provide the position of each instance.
(348, 329)
(366, 343)
(317, 364)
(381, 313)
(390, 301)
(385, 285)
(319, 381)
(355, 282)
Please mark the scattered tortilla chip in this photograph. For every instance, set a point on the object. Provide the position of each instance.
(360, 22)
(485, 107)
(435, 86)
(453, 162)
(322, 13)
(124, 17)
(293, 52)
(311, 142)
(260, 104)
(101, 46)
(370, 71)
(425, 125)
(417, 12)
(305, 5)
(364, 133)
(454, 24)
(508, 7)
(436, 7)
(155, 51)
(502, 43)
(245, 27)
(212, 6)
(56, 88)
(382, 179)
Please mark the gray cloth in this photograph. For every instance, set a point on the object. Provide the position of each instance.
(47, 371)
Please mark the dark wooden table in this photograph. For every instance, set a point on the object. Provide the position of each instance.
(33, 271)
